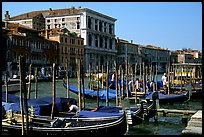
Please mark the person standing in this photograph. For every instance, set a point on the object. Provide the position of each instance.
(164, 81)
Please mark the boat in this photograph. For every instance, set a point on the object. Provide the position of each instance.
(170, 98)
(85, 122)
(89, 93)
(41, 106)
(109, 124)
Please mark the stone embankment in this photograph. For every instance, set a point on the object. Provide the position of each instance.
(194, 125)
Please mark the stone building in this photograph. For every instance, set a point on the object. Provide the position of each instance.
(155, 55)
(97, 30)
(22, 40)
(70, 47)
(127, 51)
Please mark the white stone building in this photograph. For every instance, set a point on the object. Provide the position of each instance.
(97, 30)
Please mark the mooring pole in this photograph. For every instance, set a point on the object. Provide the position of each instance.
(23, 90)
(82, 81)
(78, 62)
(67, 73)
(21, 98)
(97, 98)
(168, 78)
(156, 76)
(122, 83)
(6, 84)
(119, 74)
(102, 77)
(36, 82)
(116, 79)
(135, 89)
(126, 87)
(53, 91)
(29, 82)
(107, 80)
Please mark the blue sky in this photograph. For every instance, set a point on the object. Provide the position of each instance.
(172, 25)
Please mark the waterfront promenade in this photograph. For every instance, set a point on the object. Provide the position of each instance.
(194, 125)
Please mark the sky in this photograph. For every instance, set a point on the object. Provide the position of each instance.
(172, 25)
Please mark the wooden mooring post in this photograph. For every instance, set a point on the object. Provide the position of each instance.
(23, 101)
(82, 84)
(116, 79)
(53, 90)
(6, 84)
(97, 98)
(29, 80)
(36, 82)
(78, 63)
(67, 74)
(107, 79)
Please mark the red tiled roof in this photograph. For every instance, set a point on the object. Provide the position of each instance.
(11, 25)
(47, 13)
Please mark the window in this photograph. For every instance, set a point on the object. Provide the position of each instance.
(110, 29)
(65, 40)
(62, 39)
(96, 40)
(89, 22)
(55, 20)
(48, 26)
(101, 41)
(105, 27)
(96, 24)
(90, 40)
(55, 25)
(100, 26)
(111, 42)
(78, 25)
(63, 19)
(106, 42)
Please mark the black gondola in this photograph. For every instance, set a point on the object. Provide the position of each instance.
(44, 125)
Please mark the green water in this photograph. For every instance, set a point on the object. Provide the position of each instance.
(170, 125)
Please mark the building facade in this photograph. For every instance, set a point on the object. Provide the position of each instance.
(156, 56)
(127, 51)
(22, 40)
(97, 30)
(70, 47)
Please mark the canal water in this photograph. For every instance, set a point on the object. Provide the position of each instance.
(170, 125)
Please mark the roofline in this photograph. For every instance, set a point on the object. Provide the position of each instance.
(95, 12)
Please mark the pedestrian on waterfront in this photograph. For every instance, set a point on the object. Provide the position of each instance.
(72, 107)
(151, 86)
(137, 85)
(148, 84)
(164, 81)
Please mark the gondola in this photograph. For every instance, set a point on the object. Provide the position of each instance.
(95, 124)
(89, 93)
(170, 98)
(85, 122)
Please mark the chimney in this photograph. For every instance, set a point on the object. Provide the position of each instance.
(131, 41)
(72, 9)
(7, 16)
